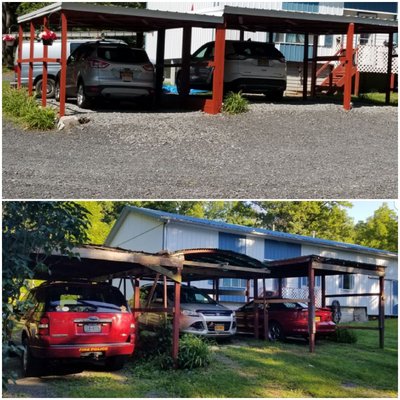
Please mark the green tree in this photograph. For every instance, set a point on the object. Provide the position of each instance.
(324, 219)
(379, 231)
(27, 228)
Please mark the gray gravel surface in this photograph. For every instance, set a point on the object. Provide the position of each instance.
(291, 150)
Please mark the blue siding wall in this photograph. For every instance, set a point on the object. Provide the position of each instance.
(274, 250)
(294, 52)
(373, 6)
(301, 6)
(231, 241)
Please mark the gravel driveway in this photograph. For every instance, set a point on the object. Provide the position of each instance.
(290, 150)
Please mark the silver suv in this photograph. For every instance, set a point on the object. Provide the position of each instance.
(253, 67)
(200, 314)
(108, 69)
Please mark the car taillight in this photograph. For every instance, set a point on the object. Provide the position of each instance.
(94, 63)
(43, 326)
(148, 67)
(133, 326)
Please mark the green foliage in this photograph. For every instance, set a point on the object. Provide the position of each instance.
(235, 103)
(193, 352)
(344, 336)
(27, 227)
(24, 109)
(379, 231)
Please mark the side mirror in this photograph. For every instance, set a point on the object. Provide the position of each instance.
(70, 60)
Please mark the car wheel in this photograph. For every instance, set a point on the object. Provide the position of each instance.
(81, 99)
(51, 86)
(275, 95)
(31, 365)
(115, 363)
(57, 91)
(275, 331)
(179, 86)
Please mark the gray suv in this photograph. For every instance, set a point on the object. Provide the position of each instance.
(108, 69)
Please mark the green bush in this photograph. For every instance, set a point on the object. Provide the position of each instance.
(193, 352)
(345, 336)
(25, 110)
(156, 342)
(235, 103)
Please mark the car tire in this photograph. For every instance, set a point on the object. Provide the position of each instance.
(51, 88)
(81, 98)
(57, 91)
(115, 363)
(31, 366)
(179, 87)
(275, 331)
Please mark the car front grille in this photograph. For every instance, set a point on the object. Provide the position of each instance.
(215, 313)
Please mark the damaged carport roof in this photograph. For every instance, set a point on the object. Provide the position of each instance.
(83, 15)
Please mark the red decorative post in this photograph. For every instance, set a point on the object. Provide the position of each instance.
(44, 71)
(348, 68)
(214, 105)
(63, 74)
(31, 56)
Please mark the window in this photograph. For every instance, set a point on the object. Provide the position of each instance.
(303, 281)
(347, 282)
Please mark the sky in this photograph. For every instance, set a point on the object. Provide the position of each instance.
(363, 209)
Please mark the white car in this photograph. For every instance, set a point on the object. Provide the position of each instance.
(252, 67)
(200, 314)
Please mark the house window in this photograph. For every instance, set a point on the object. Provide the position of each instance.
(347, 282)
(303, 281)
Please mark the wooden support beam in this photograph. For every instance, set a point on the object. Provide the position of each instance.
(259, 271)
(305, 66)
(389, 68)
(44, 68)
(63, 70)
(217, 291)
(314, 66)
(352, 295)
(311, 307)
(248, 290)
(214, 105)
(265, 313)
(348, 68)
(323, 291)
(136, 296)
(19, 66)
(160, 62)
(175, 324)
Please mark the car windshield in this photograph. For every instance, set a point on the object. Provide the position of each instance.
(256, 50)
(85, 298)
(191, 295)
(122, 54)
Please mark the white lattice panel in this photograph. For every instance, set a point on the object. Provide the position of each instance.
(374, 59)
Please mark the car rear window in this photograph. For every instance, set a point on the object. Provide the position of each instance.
(93, 298)
(256, 50)
(122, 55)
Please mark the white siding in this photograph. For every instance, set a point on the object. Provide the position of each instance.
(255, 247)
(187, 237)
(140, 233)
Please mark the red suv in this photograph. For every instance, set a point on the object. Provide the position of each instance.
(73, 322)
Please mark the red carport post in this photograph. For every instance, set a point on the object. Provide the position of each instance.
(381, 312)
(31, 56)
(175, 327)
(311, 307)
(44, 69)
(348, 68)
(214, 105)
(19, 65)
(314, 66)
(305, 66)
(136, 296)
(63, 74)
(389, 69)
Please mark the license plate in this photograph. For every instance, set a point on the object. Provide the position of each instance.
(219, 328)
(92, 328)
(317, 319)
(127, 76)
(263, 62)
(92, 349)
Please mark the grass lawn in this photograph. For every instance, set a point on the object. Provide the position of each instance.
(250, 368)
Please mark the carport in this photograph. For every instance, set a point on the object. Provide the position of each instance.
(81, 15)
(101, 263)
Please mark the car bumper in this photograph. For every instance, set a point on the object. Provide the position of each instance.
(100, 350)
(322, 328)
(120, 92)
(256, 85)
(209, 326)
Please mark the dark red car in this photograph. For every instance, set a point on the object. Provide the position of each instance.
(73, 322)
(285, 319)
